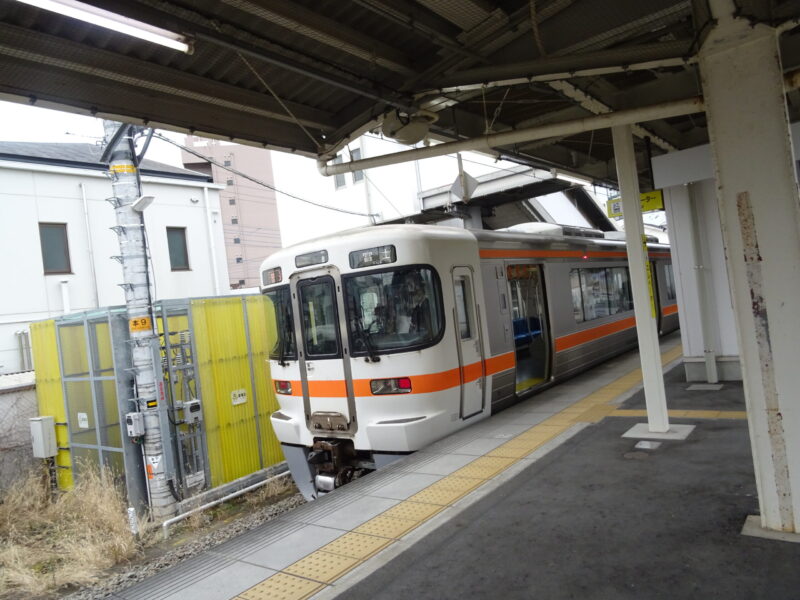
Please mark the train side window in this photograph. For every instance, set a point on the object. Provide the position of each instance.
(619, 290)
(463, 308)
(669, 281)
(595, 293)
(577, 297)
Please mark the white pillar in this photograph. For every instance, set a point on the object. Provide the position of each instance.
(760, 213)
(644, 306)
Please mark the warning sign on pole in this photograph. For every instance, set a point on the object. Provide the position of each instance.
(140, 324)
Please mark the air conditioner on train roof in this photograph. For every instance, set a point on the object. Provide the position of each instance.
(537, 228)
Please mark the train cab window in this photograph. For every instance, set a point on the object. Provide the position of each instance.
(284, 348)
(463, 309)
(318, 311)
(393, 310)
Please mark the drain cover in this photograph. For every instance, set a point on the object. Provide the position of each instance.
(704, 387)
(647, 445)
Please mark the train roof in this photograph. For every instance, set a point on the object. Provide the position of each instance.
(371, 235)
(504, 239)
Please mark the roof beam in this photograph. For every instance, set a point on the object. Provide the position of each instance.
(557, 64)
(19, 44)
(311, 24)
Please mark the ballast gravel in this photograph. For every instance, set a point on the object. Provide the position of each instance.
(123, 577)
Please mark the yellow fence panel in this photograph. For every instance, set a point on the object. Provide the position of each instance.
(223, 368)
(261, 322)
(49, 392)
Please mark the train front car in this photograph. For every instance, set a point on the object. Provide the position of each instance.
(379, 347)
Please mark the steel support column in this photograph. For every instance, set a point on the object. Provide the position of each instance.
(644, 305)
(760, 213)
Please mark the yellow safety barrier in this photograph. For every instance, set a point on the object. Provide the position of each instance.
(49, 393)
(231, 397)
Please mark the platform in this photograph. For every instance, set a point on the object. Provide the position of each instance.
(543, 500)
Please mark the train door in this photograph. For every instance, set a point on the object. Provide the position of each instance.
(469, 344)
(323, 353)
(530, 325)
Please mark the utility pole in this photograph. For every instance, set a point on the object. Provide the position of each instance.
(120, 155)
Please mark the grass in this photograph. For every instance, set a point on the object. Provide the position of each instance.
(48, 541)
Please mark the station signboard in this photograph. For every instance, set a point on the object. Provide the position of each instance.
(651, 201)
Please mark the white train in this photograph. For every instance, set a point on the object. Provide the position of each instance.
(391, 337)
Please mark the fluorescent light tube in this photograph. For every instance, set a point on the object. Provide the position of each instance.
(114, 22)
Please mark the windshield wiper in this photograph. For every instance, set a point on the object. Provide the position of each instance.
(364, 335)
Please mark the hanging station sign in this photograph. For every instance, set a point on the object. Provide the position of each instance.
(651, 201)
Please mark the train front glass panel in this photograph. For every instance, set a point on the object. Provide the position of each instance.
(284, 348)
(393, 310)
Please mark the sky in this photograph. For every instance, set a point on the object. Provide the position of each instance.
(25, 123)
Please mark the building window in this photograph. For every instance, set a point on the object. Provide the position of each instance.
(237, 241)
(227, 163)
(338, 180)
(239, 259)
(55, 248)
(357, 175)
(178, 253)
(229, 182)
(234, 220)
(231, 201)
(241, 283)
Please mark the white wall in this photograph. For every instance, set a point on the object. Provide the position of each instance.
(30, 194)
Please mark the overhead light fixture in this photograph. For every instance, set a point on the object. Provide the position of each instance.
(109, 20)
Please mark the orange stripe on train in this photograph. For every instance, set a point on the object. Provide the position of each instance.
(587, 335)
(420, 384)
(669, 310)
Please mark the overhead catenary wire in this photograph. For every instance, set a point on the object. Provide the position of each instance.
(259, 182)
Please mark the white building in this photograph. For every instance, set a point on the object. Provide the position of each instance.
(57, 238)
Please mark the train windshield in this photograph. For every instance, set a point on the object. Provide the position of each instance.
(393, 310)
(284, 347)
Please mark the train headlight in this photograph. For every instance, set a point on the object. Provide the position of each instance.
(398, 385)
(283, 387)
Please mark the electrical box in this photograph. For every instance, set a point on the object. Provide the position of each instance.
(192, 411)
(134, 423)
(43, 437)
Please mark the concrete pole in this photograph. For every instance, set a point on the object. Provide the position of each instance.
(644, 306)
(759, 207)
(147, 375)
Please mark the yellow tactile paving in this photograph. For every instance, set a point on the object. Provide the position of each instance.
(685, 414)
(485, 467)
(281, 587)
(412, 511)
(514, 452)
(446, 491)
(595, 414)
(322, 566)
(357, 545)
(386, 527)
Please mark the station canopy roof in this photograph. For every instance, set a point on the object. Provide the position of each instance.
(308, 76)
